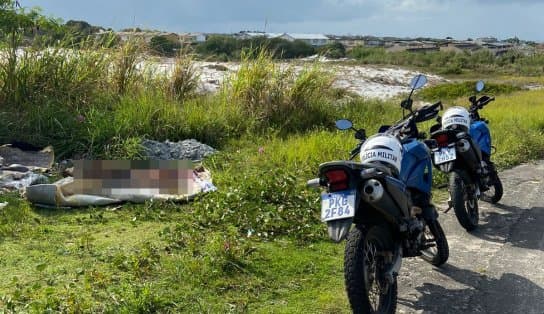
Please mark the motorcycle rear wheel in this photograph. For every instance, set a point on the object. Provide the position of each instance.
(367, 289)
(464, 205)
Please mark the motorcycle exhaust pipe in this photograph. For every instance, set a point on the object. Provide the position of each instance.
(372, 191)
(463, 145)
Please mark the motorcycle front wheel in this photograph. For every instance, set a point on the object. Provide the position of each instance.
(494, 194)
(364, 271)
(438, 251)
(465, 204)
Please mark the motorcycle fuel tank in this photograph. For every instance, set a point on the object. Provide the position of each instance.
(480, 134)
(416, 167)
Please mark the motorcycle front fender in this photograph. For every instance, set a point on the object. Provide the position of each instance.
(339, 229)
(430, 213)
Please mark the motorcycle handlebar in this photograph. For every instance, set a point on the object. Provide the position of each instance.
(481, 102)
(422, 114)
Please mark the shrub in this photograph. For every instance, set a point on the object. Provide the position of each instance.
(219, 46)
(185, 77)
(333, 50)
(228, 48)
(164, 45)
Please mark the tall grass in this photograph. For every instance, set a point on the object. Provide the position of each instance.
(185, 78)
(517, 127)
(124, 66)
(86, 102)
(53, 89)
(279, 98)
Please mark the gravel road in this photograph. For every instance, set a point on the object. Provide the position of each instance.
(498, 268)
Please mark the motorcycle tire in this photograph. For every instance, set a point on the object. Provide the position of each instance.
(465, 206)
(494, 195)
(362, 267)
(439, 253)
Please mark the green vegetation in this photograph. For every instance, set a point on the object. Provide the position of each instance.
(334, 50)
(483, 61)
(255, 245)
(229, 48)
(464, 89)
(164, 45)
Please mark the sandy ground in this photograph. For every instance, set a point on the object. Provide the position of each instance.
(366, 81)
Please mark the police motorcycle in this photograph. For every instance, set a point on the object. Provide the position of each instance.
(389, 221)
(463, 150)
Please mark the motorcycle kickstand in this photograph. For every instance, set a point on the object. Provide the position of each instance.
(450, 206)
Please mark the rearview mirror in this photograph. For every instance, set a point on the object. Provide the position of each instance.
(344, 124)
(480, 86)
(418, 81)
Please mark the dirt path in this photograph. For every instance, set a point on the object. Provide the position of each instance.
(498, 268)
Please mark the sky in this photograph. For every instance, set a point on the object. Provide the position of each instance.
(460, 19)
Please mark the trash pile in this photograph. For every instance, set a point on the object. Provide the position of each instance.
(26, 169)
(22, 167)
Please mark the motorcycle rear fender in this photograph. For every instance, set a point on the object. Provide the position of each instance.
(446, 167)
(338, 229)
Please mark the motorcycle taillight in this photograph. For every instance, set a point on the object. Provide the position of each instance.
(337, 180)
(442, 140)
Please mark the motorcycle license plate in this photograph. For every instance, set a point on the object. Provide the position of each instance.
(337, 205)
(444, 154)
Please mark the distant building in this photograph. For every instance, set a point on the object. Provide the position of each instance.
(192, 38)
(483, 40)
(348, 41)
(183, 38)
(145, 36)
(312, 39)
(377, 42)
(254, 34)
(499, 48)
(412, 46)
(460, 46)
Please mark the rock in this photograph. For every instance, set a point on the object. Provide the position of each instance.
(33, 159)
(13, 180)
(218, 67)
(190, 149)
